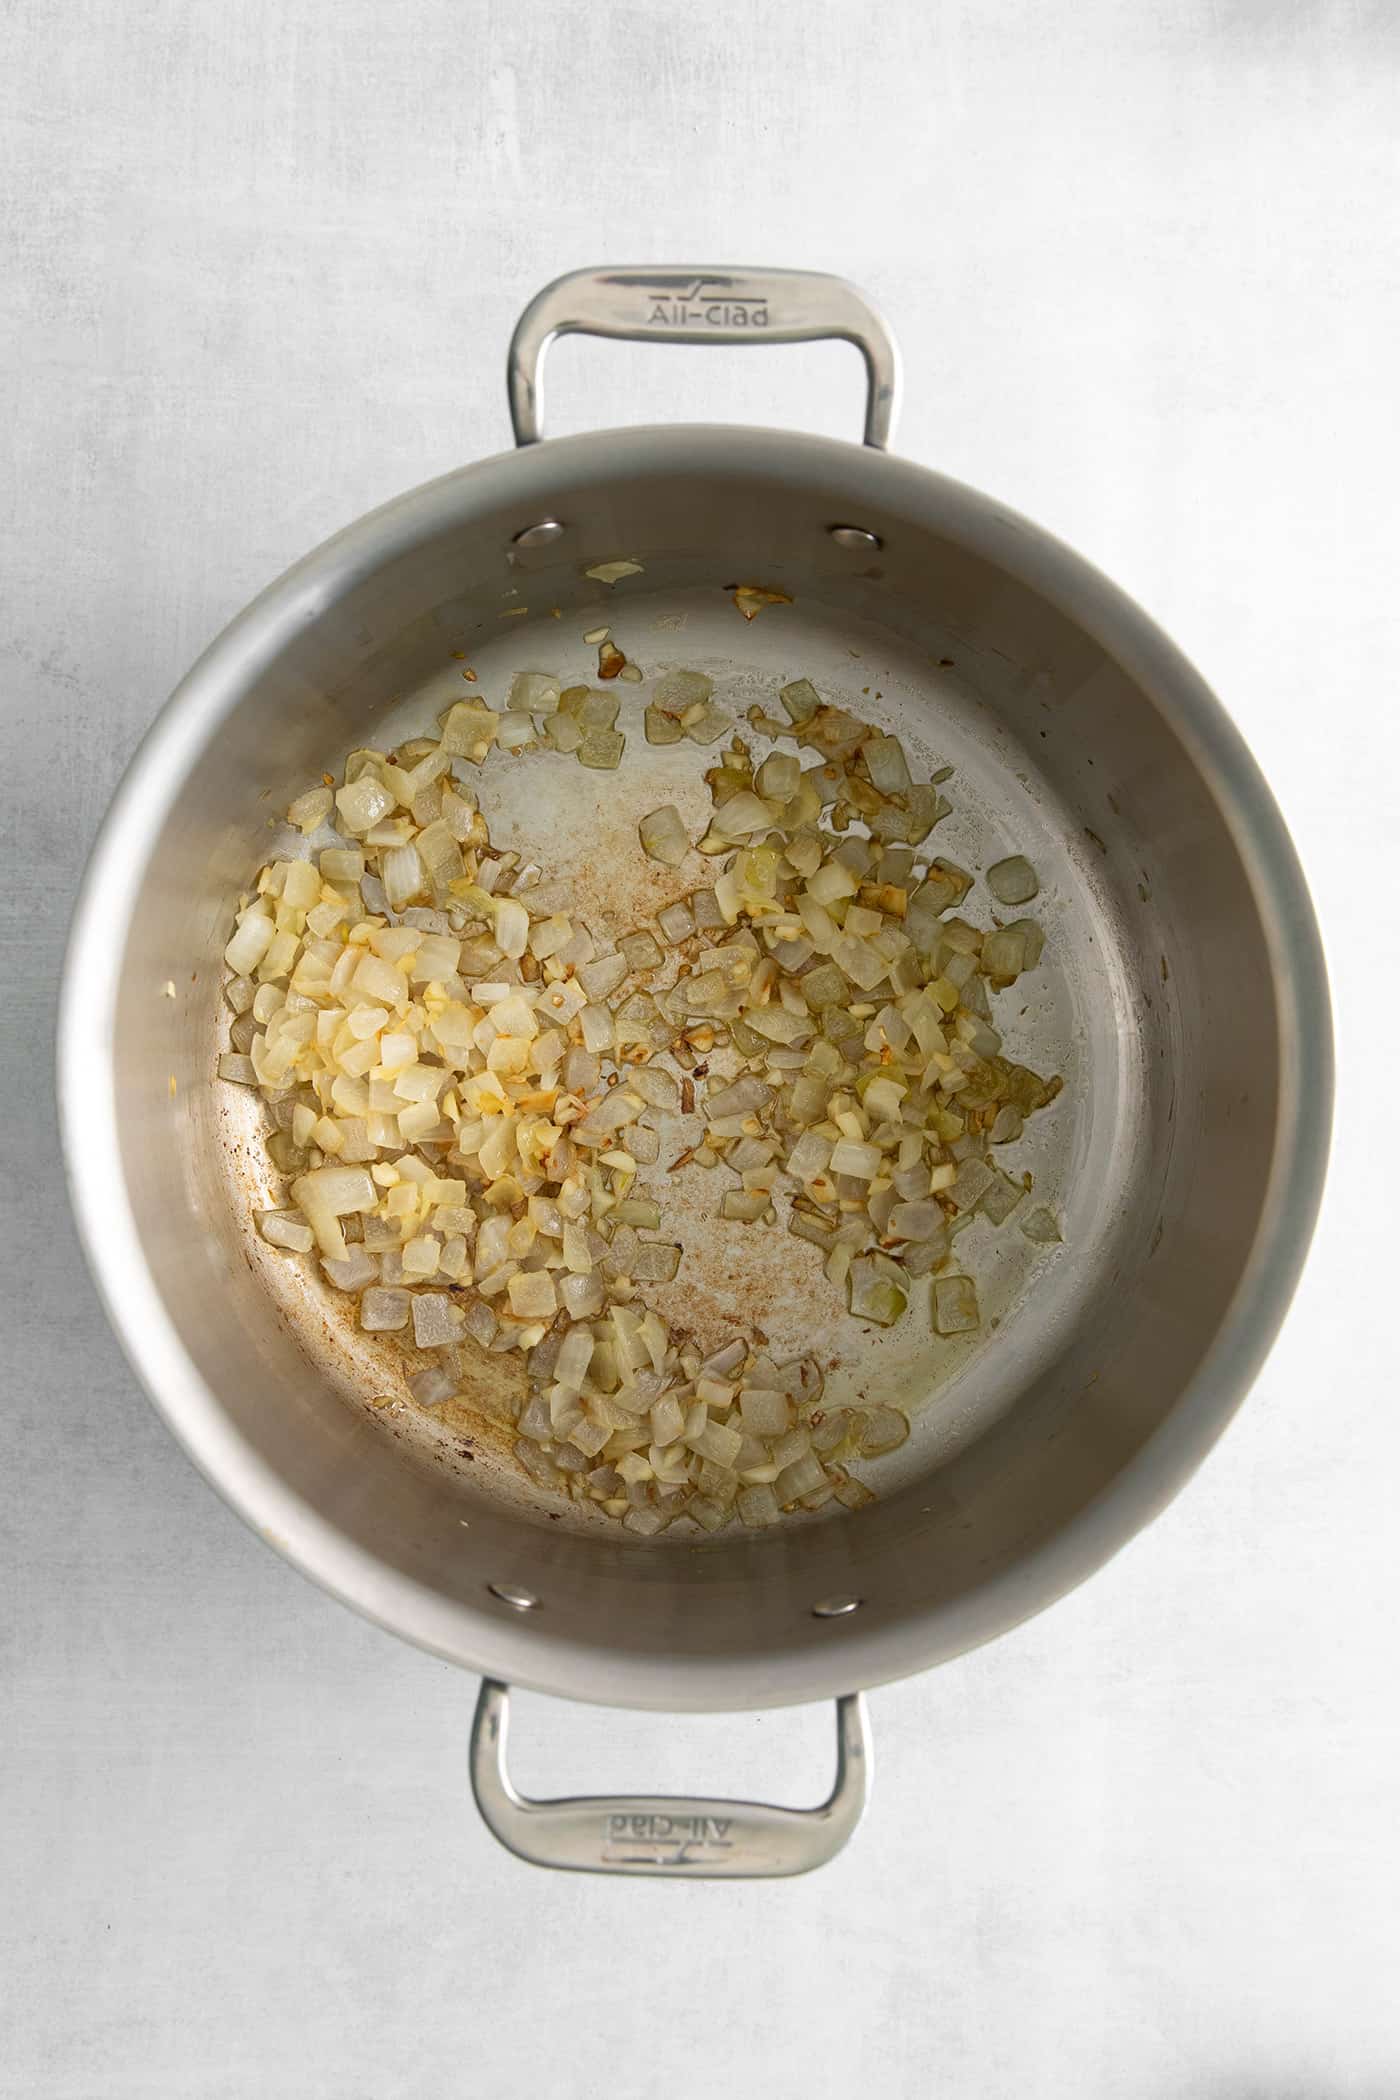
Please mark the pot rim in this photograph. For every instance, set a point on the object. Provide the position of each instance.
(488, 1637)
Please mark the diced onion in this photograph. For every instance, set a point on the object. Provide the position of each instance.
(882, 1429)
(874, 1295)
(533, 693)
(601, 749)
(613, 571)
(1013, 881)
(678, 690)
(512, 927)
(664, 837)
(742, 1098)
(385, 1311)
(282, 1228)
(955, 1309)
(403, 876)
(464, 1095)
(741, 815)
(860, 1161)
(309, 811)
(363, 802)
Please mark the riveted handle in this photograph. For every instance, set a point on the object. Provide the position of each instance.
(660, 1835)
(702, 305)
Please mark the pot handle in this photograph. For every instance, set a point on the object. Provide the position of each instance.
(659, 1835)
(701, 306)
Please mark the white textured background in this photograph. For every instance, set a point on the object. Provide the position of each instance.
(260, 264)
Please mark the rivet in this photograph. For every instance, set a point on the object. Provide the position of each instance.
(855, 538)
(836, 1607)
(510, 1593)
(542, 535)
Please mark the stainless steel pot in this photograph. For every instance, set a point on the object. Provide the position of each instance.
(1184, 999)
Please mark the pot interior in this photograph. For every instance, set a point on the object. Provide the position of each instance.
(983, 647)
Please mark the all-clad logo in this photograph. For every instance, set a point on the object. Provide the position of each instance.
(663, 1840)
(697, 306)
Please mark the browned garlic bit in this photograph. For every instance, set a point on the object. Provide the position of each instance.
(467, 1085)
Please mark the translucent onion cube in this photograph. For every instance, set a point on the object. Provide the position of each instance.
(955, 1305)
(532, 1295)
(765, 1413)
(1013, 881)
(664, 836)
(385, 1311)
(283, 1228)
(437, 1319)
